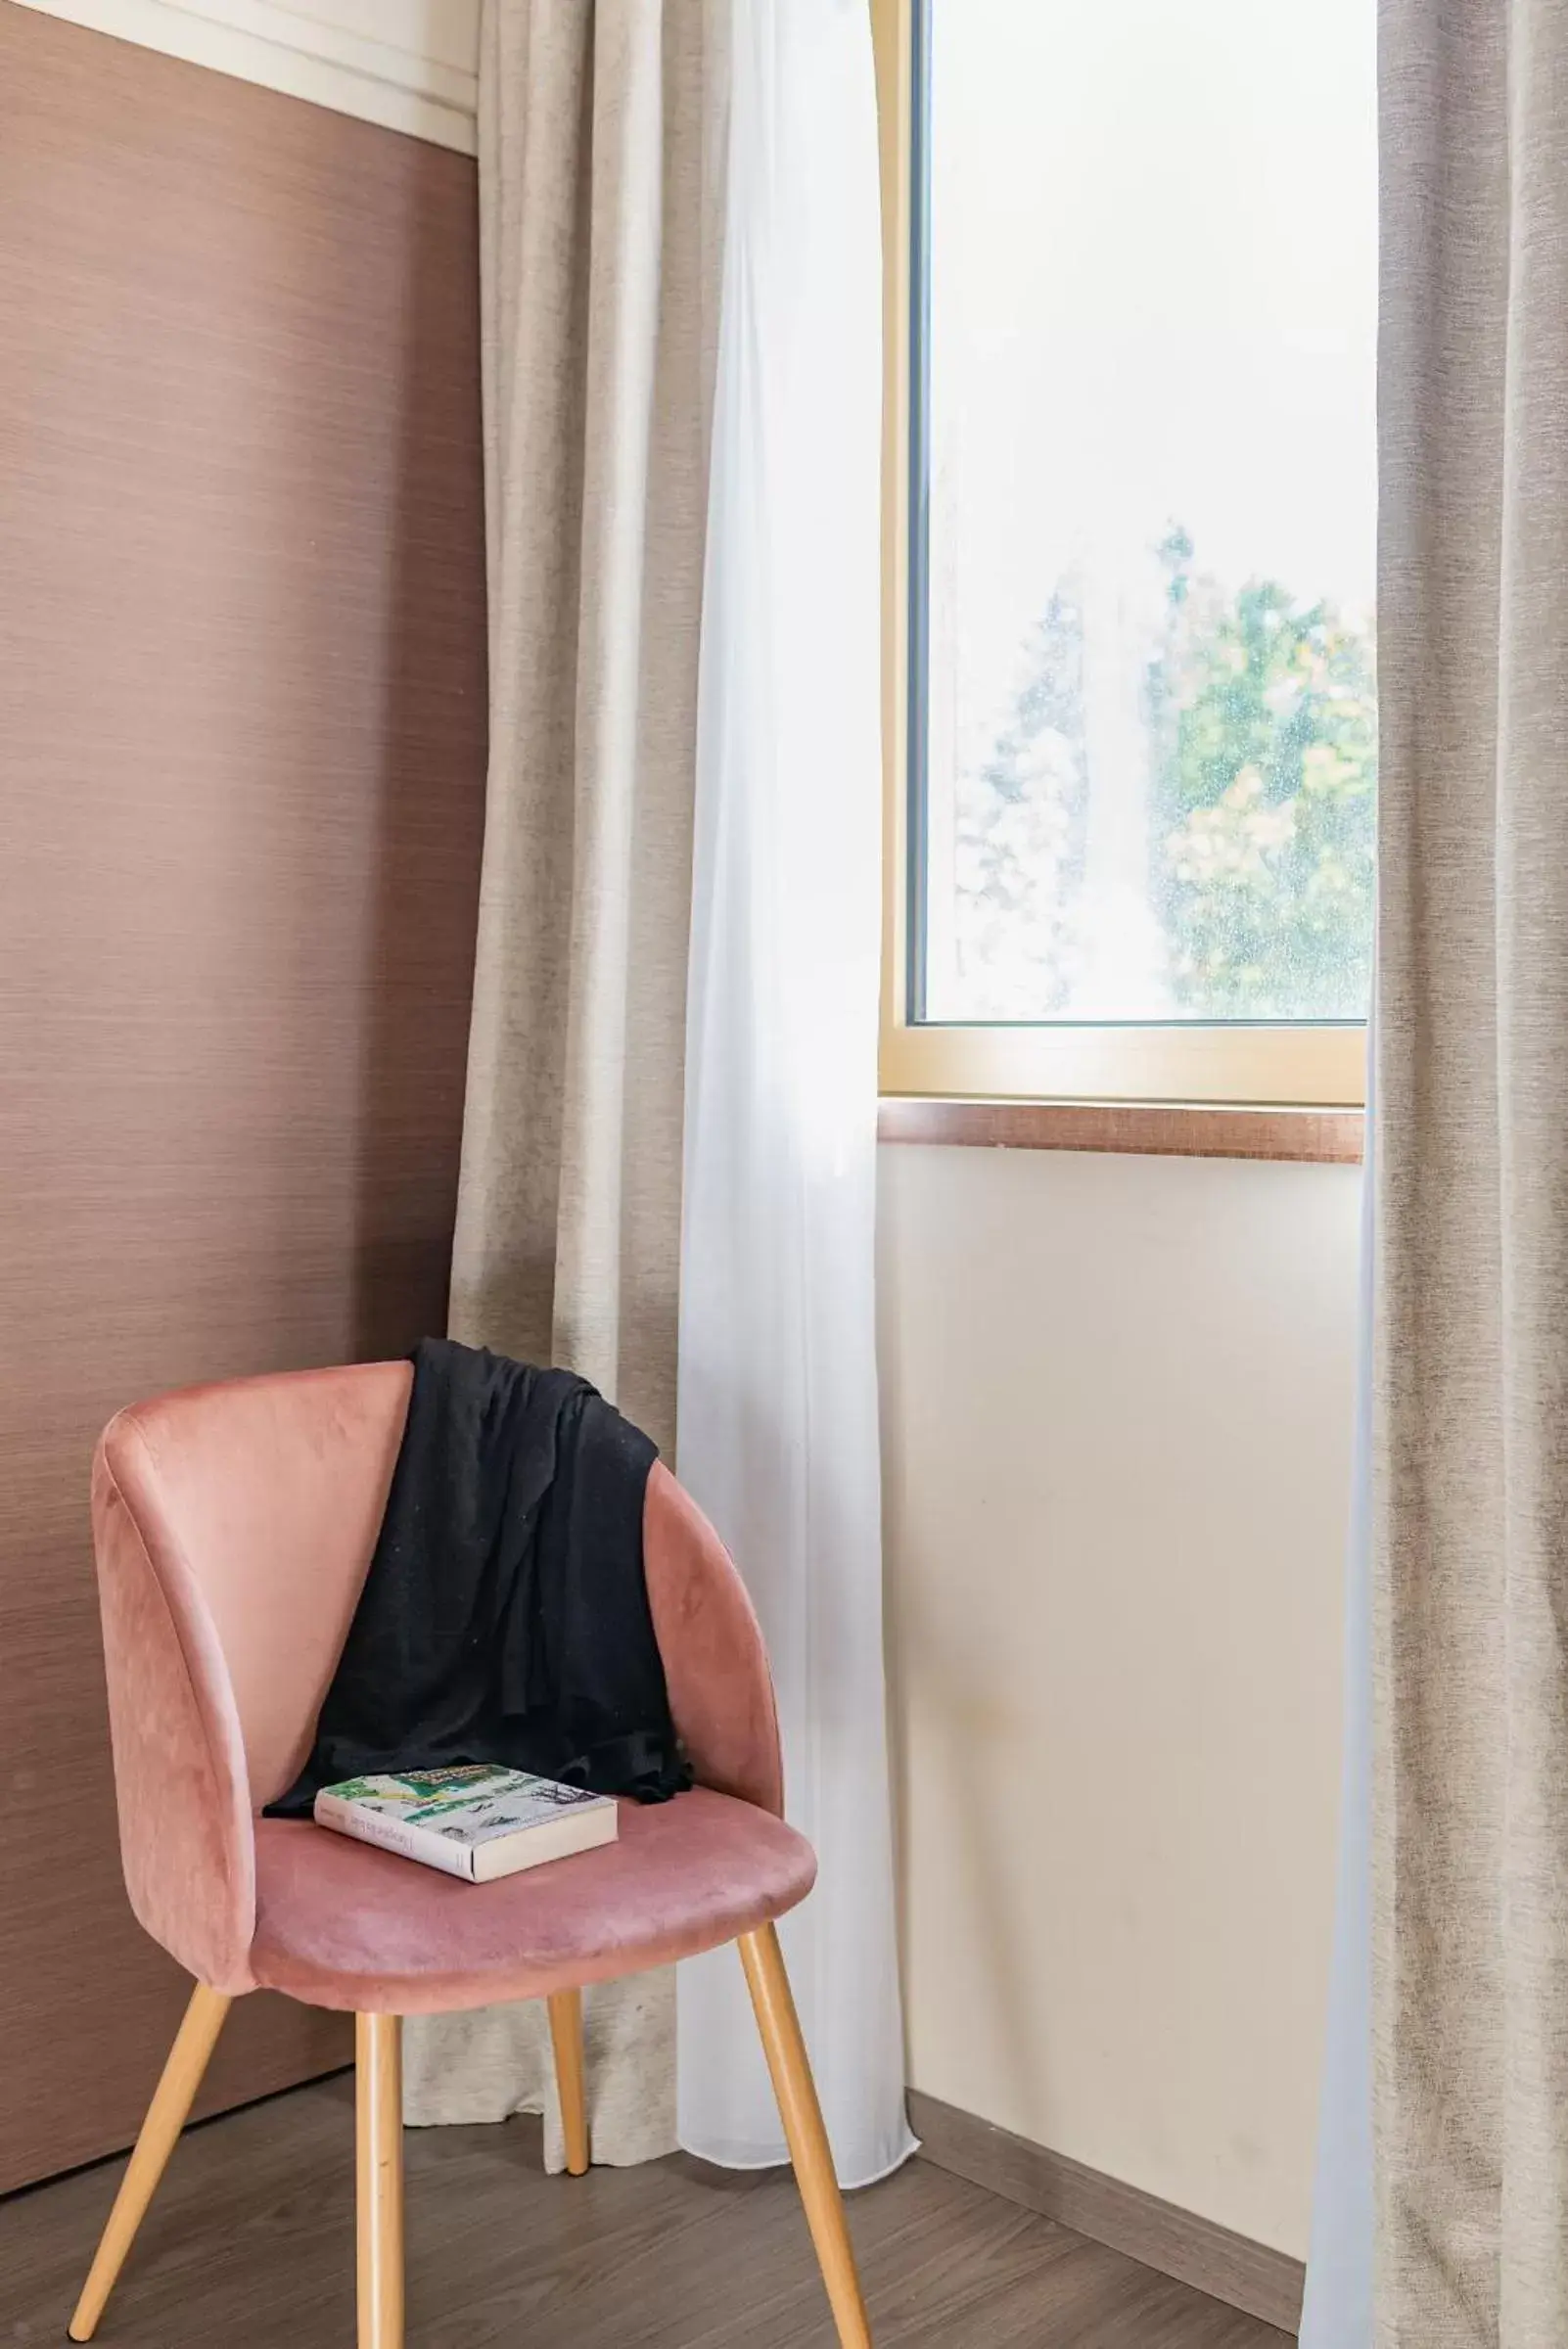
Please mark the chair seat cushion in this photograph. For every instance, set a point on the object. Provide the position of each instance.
(340, 1923)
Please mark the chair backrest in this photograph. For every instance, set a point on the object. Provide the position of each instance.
(234, 1525)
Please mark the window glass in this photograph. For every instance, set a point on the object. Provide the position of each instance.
(1144, 689)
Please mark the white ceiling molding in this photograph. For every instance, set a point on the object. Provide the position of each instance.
(409, 64)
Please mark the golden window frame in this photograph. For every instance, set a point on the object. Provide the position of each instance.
(1252, 1064)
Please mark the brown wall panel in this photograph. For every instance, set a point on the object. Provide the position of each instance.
(241, 709)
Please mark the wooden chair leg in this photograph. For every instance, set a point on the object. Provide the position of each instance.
(378, 2177)
(802, 2115)
(565, 2034)
(167, 2114)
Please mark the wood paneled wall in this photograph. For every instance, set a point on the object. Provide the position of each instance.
(242, 720)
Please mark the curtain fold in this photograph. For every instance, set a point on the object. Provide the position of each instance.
(1470, 1482)
(778, 1381)
(601, 141)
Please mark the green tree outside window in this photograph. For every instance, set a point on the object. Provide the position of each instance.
(1261, 714)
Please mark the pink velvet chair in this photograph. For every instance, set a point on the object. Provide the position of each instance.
(234, 1525)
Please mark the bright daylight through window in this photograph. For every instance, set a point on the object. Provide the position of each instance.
(1144, 719)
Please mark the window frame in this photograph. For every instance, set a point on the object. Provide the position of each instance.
(1241, 1062)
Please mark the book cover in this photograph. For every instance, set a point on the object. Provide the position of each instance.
(478, 1820)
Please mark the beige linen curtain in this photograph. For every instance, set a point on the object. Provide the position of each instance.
(1470, 2033)
(600, 147)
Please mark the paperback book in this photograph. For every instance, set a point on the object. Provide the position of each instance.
(477, 1820)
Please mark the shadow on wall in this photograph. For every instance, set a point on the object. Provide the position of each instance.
(958, 1716)
(418, 966)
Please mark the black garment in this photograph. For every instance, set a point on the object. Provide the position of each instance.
(505, 1616)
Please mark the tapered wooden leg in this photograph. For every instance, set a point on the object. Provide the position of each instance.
(172, 2099)
(802, 2115)
(565, 2034)
(378, 2169)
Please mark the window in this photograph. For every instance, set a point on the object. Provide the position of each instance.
(1131, 475)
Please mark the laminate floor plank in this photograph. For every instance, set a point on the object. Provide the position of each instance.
(249, 2243)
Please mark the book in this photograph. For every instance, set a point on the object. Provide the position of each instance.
(477, 1820)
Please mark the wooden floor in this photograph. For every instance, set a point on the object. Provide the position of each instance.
(250, 2244)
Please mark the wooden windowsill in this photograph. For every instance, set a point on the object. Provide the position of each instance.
(1162, 1130)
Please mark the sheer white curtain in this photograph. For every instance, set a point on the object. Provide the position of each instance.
(777, 1410)
(1337, 2313)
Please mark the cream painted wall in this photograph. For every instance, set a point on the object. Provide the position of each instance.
(1117, 1398)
